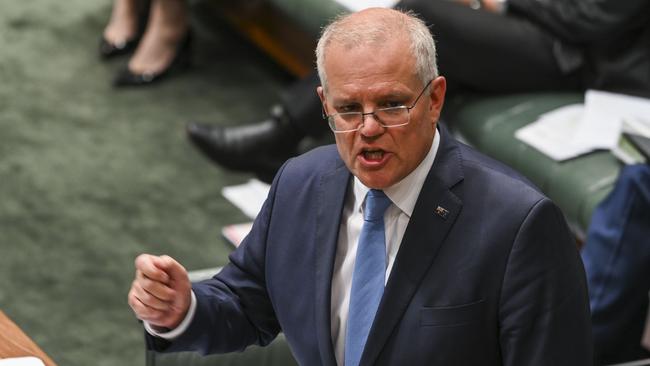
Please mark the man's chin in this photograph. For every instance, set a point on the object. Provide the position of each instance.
(375, 180)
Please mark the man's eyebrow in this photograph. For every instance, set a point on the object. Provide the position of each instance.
(392, 94)
(395, 94)
(345, 100)
(384, 96)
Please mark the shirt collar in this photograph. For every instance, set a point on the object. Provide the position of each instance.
(404, 193)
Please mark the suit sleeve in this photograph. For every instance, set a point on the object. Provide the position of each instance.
(233, 308)
(544, 308)
(580, 21)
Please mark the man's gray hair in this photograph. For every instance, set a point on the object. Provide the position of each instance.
(372, 32)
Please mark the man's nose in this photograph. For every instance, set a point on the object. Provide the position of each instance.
(370, 126)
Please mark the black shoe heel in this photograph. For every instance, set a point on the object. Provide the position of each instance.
(108, 50)
(181, 62)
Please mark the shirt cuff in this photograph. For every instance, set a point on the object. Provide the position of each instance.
(180, 329)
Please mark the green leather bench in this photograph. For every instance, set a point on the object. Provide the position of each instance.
(489, 123)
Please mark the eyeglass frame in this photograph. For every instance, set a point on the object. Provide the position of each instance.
(328, 117)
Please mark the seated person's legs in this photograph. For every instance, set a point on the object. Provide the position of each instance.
(487, 52)
(164, 47)
(616, 256)
(121, 34)
(161, 49)
(268, 143)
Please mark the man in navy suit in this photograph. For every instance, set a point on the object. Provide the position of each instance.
(479, 269)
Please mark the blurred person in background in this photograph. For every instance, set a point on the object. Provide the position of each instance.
(157, 32)
(617, 261)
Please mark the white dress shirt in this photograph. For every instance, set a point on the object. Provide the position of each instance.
(403, 196)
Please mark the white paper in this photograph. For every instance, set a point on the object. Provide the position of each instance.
(21, 361)
(639, 126)
(235, 233)
(356, 5)
(554, 133)
(604, 115)
(248, 197)
(577, 129)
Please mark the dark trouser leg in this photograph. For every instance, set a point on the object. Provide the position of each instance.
(487, 52)
(263, 146)
(303, 107)
(617, 262)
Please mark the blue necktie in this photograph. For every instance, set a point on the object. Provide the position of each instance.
(368, 278)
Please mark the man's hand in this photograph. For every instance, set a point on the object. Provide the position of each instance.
(161, 291)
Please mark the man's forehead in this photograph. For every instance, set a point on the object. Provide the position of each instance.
(378, 91)
(375, 41)
(391, 56)
(388, 58)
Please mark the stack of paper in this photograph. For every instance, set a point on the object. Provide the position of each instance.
(21, 361)
(634, 144)
(248, 197)
(574, 130)
(554, 133)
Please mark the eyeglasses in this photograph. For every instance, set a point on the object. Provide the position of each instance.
(386, 117)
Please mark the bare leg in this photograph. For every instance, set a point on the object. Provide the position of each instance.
(123, 24)
(167, 27)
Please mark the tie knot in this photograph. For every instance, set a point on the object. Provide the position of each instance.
(376, 204)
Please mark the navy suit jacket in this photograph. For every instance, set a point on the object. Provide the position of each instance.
(497, 280)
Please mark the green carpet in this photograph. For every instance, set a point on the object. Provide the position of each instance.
(91, 176)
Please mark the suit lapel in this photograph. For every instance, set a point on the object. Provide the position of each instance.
(331, 199)
(433, 216)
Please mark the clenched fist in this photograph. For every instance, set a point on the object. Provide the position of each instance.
(161, 291)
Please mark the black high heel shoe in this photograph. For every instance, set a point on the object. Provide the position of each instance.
(108, 50)
(180, 63)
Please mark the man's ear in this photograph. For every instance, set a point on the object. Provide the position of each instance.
(437, 93)
(321, 94)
